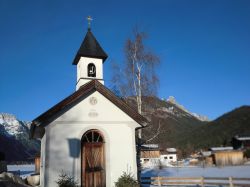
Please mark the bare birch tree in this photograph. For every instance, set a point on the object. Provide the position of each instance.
(137, 77)
(140, 67)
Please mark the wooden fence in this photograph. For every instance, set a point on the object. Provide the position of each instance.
(195, 181)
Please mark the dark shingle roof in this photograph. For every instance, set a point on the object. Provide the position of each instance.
(90, 48)
(38, 124)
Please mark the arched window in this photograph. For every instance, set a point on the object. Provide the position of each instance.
(91, 70)
(93, 159)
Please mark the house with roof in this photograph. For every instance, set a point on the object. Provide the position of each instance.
(90, 134)
(153, 156)
(150, 154)
(168, 156)
(222, 156)
(241, 142)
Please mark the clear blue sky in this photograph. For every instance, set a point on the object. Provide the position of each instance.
(204, 48)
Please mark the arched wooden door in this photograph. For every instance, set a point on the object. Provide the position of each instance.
(93, 161)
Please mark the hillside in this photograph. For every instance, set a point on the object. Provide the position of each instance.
(183, 130)
(174, 120)
(220, 131)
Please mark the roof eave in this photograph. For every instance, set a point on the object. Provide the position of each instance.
(94, 85)
(36, 131)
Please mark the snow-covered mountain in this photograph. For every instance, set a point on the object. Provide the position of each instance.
(11, 126)
(14, 138)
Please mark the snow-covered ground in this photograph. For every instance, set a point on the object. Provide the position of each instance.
(229, 171)
(22, 170)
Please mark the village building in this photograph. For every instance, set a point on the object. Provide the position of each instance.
(89, 135)
(153, 156)
(206, 158)
(223, 156)
(150, 154)
(169, 156)
(241, 142)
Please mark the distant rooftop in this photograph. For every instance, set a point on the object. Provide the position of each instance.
(150, 146)
(171, 150)
(206, 153)
(221, 148)
(243, 138)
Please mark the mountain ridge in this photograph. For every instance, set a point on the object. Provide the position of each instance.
(183, 131)
(200, 117)
(222, 129)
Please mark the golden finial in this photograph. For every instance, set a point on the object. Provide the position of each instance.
(89, 18)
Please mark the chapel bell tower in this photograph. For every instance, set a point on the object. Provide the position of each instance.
(89, 60)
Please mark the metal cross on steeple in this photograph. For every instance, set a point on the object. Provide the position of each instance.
(89, 18)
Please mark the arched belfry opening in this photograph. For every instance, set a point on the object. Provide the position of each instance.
(91, 70)
(92, 159)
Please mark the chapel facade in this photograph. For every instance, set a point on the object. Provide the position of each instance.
(89, 135)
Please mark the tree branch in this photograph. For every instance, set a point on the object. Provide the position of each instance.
(157, 133)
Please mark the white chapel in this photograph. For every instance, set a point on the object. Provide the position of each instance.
(89, 135)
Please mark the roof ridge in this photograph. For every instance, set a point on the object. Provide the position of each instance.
(94, 85)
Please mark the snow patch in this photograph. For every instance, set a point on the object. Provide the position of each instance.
(234, 171)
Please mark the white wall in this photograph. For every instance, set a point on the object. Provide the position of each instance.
(168, 158)
(42, 160)
(119, 134)
(150, 162)
(82, 70)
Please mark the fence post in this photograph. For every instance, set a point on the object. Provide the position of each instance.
(159, 181)
(231, 182)
(202, 181)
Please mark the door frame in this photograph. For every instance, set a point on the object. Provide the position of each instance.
(83, 156)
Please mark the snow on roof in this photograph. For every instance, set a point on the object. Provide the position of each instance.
(151, 146)
(171, 150)
(242, 138)
(206, 153)
(221, 148)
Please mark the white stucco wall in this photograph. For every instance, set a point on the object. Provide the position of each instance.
(82, 70)
(119, 134)
(168, 158)
(42, 160)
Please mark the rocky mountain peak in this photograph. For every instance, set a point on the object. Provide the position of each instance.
(172, 100)
(11, 126)
(5, 117)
